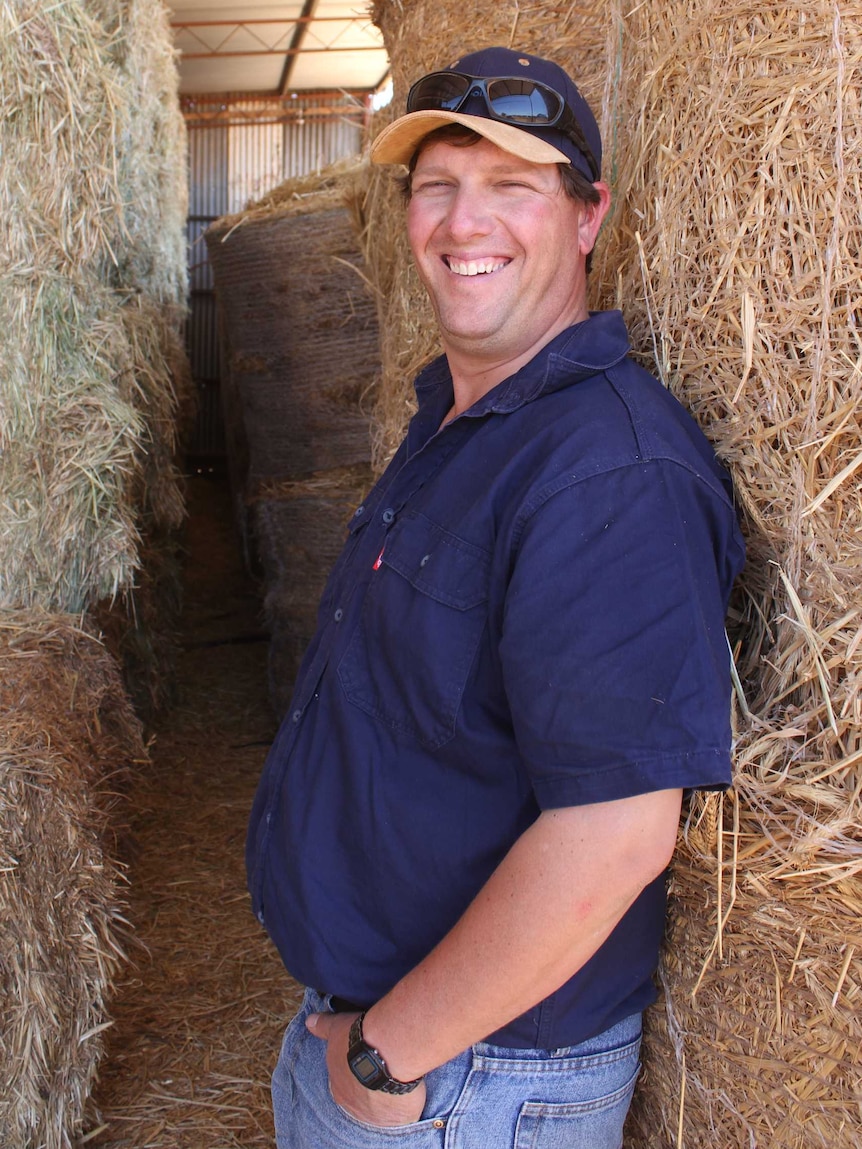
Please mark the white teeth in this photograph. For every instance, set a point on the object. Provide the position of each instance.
(475, 266)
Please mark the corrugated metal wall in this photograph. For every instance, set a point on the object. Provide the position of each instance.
(239, 149)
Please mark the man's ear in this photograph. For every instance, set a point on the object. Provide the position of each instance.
(591, 218)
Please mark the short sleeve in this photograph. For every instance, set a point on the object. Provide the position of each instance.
(614, 654)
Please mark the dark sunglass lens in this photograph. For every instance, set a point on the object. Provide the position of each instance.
(523, 101)
(439, 91)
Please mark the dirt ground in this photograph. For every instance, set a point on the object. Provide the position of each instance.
(200, 1014)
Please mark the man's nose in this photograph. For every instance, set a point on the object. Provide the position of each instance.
(469, 214)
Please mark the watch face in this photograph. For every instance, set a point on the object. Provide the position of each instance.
(365, 1067)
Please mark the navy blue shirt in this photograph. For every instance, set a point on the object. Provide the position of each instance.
(528, 613)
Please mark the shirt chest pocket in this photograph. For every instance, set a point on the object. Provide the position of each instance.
(409, 659)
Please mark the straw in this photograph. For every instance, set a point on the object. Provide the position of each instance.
(733, 249)
(67, 739)
(733, 141)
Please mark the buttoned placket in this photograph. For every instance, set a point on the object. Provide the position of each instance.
(378, 518)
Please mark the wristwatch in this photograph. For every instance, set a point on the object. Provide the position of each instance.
(369, 1068)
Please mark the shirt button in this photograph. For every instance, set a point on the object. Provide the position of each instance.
(297, 714)
(438, 1124)
(339, 615)
(388, 515)
(360, 510)
(424, 560)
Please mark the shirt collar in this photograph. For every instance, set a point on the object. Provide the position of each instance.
(577, 353)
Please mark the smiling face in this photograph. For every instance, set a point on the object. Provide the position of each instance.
(501, 249)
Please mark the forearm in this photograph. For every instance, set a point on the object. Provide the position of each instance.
(545, 911)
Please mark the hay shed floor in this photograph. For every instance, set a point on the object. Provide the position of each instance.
(200, 1012)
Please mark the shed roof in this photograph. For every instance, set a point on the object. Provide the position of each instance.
(301, 45)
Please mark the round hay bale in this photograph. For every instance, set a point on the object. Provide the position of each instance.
(733, 139)
(736, 142)
(300, 332)
(141, 626)
(66, 737)
(291, 627)
(299, 530)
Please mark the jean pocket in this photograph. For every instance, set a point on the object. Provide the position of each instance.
(587, 1123)
(427, 1133)
(408, 661)
(448, 1089)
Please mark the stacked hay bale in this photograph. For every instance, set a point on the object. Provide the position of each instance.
(67, 733)
(89, 353)
(733, 143)
(299, 330)
(299, 528)
(735, 252)
(148, 272)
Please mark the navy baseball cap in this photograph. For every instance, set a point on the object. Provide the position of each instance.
(524, 104)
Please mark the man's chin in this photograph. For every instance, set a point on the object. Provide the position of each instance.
(467, 329)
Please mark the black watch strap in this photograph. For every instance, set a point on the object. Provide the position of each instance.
(369, 1068)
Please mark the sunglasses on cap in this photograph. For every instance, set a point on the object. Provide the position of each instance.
(509, 99)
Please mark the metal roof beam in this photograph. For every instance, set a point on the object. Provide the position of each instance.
(299, 34)
(290, 53)
(296, 24)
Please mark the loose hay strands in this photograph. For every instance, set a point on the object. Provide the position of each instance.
(67, 736)
(341, 184)
(734, 251)
(420, 37)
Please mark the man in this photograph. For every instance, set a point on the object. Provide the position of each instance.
(460, 838)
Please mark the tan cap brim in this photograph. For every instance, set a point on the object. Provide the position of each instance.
(399, 140)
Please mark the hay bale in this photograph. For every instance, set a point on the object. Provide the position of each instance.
(67, 733)
(69, 443)
(150, 274)
(91, 279)
(299, 329)
(299, 531)
(141, 627)
(419, 38)
(291, 628)
(152, 155)
(91, 209)
(733, 141)
(736, 138)
(62, 115)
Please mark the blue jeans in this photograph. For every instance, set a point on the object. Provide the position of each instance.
(488, 1097)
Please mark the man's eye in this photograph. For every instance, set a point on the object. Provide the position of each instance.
(434, 185)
